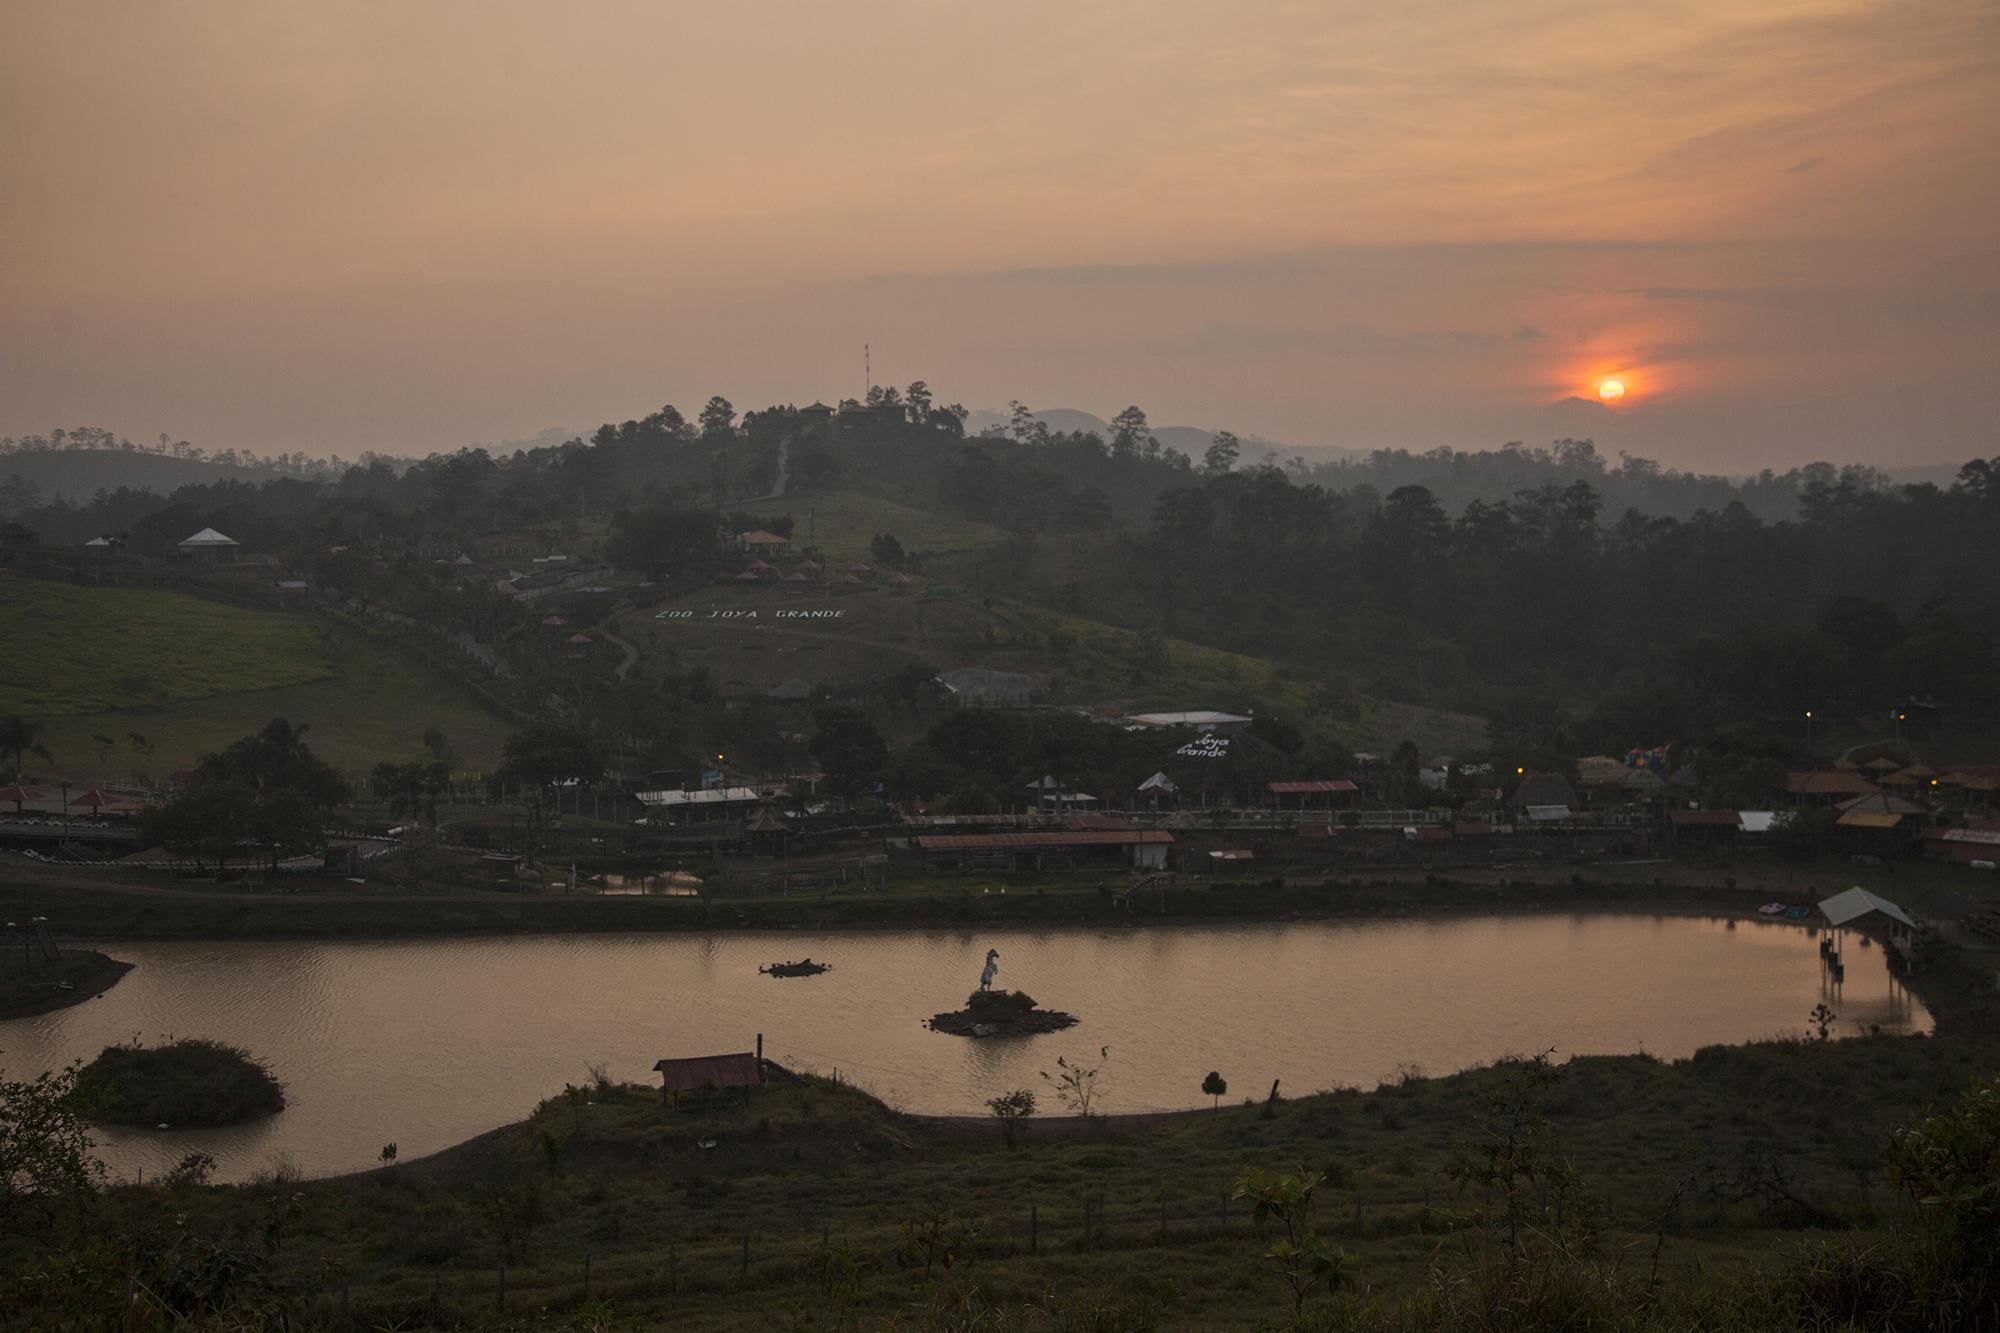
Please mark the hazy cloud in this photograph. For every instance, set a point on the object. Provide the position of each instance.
(378, 225)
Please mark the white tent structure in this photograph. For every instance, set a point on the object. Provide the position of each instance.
(1853, 904)
(208, 542)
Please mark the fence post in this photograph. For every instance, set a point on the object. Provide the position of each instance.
(586, 1275)
(436, 1281)
(501, 1299)
(343, 1300)
(746, 1254)
(1034, 1230)
(1088, 1204)
(673, 1271)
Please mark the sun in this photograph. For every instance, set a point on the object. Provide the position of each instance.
(1611, 390)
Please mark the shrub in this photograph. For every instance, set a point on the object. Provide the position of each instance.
(190, 1082)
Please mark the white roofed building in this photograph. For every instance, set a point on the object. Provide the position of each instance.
(208, 544)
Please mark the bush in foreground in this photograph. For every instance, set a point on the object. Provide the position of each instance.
(190, 1082)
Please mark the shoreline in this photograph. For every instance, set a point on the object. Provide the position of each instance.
(90, 974)
(104, 910)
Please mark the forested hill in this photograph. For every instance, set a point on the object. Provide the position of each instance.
(1530, 585)
(76, 475)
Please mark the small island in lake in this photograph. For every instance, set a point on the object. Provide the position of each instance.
(189, 1084)
(805, 968)
(1001, 1013)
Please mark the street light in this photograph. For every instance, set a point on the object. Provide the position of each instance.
(1808, 733)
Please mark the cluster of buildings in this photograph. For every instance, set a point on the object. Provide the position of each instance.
(804, 574)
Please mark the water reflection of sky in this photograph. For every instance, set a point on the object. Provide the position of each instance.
(428, 1042)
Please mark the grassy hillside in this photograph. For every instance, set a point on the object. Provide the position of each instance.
(373, 707)
(1081, 661)
(191, 676)
(842, 524)
(66, 650)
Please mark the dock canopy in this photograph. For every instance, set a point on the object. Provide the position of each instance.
(1856, 903)
(709, 1071)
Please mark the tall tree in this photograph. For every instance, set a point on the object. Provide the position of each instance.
(848, 748)
(19, 740)
(1223, 451)
(541, 760)
(1131, 437)
(718, 419)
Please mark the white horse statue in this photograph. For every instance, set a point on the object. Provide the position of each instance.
(992, 967)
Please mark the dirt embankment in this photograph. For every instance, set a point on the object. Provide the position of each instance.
(81, 974)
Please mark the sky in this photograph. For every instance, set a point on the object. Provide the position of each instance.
(407, 226)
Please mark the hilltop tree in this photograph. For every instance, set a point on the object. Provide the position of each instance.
(1215, 1085)
(718, 419)
(1223, 451)
(1022, 425)
(1131, 437)
(667, 424)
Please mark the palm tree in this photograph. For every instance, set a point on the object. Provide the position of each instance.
(17, 742)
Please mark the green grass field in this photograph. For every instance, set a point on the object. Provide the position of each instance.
(375, 706)
(67, 650)
(842, 523)
(190, 676)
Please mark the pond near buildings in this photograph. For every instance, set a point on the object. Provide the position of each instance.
(425, 1043)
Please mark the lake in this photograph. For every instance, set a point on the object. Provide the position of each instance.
(426, 1043)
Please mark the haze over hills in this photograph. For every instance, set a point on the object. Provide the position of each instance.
(76, 474)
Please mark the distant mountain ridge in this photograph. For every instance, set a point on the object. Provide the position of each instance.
(75, 474)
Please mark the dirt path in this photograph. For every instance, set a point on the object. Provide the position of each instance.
(631, 653)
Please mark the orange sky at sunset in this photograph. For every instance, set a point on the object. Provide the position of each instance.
(405, 227)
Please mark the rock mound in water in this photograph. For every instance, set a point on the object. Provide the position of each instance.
(1001, 1013)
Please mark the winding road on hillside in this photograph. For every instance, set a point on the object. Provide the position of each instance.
(631, 654)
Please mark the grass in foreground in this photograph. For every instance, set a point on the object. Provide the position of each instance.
(1731, 1190)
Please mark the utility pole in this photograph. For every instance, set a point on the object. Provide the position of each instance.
(867, 373)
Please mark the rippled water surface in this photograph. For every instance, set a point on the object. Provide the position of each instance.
(427, 1042)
